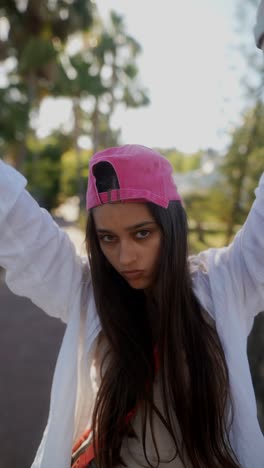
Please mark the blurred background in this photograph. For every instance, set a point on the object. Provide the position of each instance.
(77, 76)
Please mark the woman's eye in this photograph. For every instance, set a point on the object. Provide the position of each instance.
(142, 234)
(106, 238)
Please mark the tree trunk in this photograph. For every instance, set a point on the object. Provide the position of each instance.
(76, 134)
(96, 130)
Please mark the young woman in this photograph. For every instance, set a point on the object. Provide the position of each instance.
(153, 368)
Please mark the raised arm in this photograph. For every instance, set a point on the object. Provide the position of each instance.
(235, 273)
(39, 258)
(259, 27)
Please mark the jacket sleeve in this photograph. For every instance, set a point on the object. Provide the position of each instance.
(251, 249)
(39, 258)
(259, 26)
(236, 272)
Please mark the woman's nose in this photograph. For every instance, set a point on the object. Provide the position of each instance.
(127, 253)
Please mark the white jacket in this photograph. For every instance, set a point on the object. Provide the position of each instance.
(41, 264)
(259, 27)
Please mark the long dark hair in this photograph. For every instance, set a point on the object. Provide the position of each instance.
(193, 370)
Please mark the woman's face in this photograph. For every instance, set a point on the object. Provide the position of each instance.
(130, 240)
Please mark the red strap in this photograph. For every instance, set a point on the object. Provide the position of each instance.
(81, 440)
(85, 458)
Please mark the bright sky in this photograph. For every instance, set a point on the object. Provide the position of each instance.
(191, 68)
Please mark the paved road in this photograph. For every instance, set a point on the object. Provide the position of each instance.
(29, 345)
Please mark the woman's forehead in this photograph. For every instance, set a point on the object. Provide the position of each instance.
(120, 214)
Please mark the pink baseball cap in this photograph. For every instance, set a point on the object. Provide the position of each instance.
(143, 175)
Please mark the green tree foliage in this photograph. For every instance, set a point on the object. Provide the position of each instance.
(36, 54)
(45, 182)
(99, 77)
(36, 33)
(14, 112)
(182, 162)
(69, 169)
(105, 69)
(243, 165)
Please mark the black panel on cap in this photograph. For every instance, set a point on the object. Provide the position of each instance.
(105, 175)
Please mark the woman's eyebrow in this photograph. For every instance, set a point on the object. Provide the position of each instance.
(130, 228)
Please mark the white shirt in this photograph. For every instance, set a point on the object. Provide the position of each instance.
(41, 264)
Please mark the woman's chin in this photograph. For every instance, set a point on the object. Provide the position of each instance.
(141, 283)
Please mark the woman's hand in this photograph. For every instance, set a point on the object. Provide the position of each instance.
(259, 27)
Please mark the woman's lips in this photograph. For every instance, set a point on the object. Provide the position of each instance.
(135, 274)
